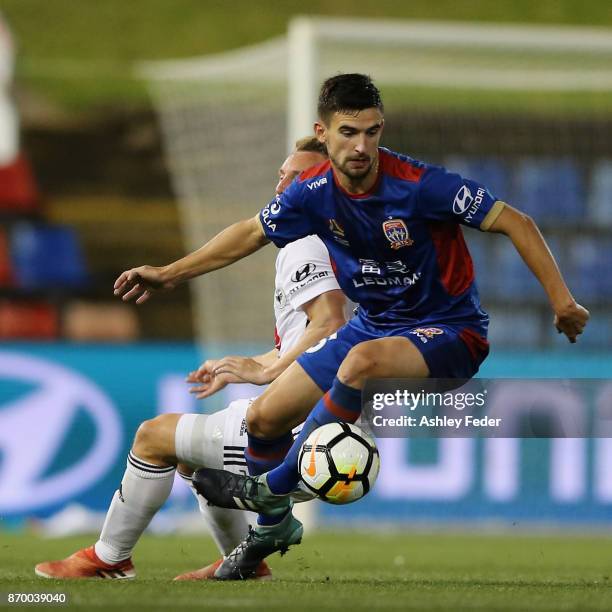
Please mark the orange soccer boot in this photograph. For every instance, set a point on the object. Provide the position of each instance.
(85, 564)
(262, 572)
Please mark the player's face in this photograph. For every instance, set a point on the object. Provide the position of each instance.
(352, 142)
(297, 162)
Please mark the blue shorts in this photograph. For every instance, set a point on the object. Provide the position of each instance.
(450, 350)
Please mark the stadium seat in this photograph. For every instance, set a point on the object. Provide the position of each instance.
(28, 321)
(481, 247)
(514, 329)
(6, 268)
(490, 171)
(589, 269)
(513, 280)
(493, 173)
(550, 190)
(47, 257)
(600, 193)
(18, 193)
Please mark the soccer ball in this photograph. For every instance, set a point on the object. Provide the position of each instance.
(339, 462)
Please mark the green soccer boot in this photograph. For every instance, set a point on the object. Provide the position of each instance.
(243, 561)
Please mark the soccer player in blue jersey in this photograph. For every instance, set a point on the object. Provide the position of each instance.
(392, 227)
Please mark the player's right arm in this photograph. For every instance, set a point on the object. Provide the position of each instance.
(282, 221)
(446, 196)
(230, 245)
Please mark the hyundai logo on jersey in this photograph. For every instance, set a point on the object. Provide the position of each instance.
(303, 272)
(463, 199)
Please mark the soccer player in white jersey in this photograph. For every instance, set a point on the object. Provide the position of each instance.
(308, 306)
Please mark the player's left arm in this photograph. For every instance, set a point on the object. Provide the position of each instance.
(570, 317)
(325, 314)
(205, 382)
(266, 359)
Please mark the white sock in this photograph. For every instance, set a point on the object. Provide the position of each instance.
(227, 527)
(144, 489)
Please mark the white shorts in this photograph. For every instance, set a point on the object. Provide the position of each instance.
(214, 440)
(218, 440)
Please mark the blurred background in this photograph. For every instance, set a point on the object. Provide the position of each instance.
(131, 133)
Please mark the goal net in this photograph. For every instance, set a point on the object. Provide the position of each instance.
(526, 110)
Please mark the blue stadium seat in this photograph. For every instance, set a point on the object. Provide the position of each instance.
(514, 329)
(600, 193)
(481, 247)
(589, 276)
(458, 164)
(490, 171)
(47, 257)
(493, 173)
(514, 281)
(550, 190)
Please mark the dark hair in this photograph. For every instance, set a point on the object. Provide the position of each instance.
(311, 145)
(348, 92)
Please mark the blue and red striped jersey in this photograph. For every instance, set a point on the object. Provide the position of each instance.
(398, 250)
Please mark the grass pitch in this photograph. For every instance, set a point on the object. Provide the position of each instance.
(349, 571)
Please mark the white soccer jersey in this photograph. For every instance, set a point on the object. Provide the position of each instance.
(303, 272)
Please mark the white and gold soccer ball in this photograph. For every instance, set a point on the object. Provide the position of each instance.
(339, 462)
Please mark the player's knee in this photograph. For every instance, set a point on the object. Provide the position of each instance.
(154, 440)
(259, 421)
(146, 437)
(358, 365)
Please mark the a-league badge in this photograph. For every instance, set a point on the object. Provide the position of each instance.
(397, 233)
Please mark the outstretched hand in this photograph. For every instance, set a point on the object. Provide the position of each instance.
(141, 283)
(214, 374)
(206, 383)
(571, 320)
(243, 368)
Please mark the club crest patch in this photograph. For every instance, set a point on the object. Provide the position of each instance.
(429, 332)
(424, 334)
(397, 233)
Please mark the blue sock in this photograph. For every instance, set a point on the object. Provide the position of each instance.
(267, 520)
(262, 456)
(340, 403)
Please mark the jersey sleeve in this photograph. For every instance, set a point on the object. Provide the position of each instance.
(285, 219)
(446, 196)
(306, 272)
